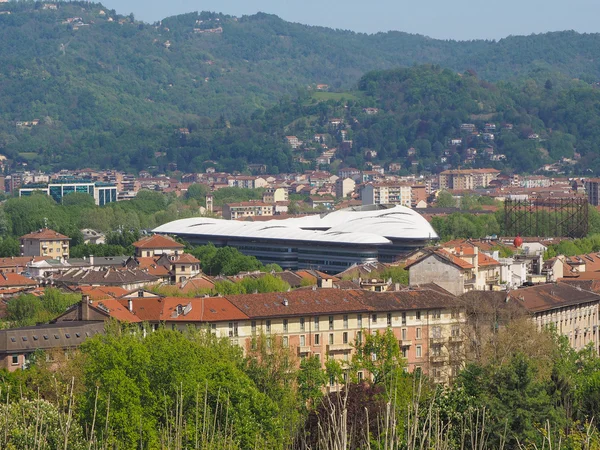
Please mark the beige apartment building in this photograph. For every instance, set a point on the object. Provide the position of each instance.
(273, 195)
(467, 179)
(456, 269)
(384, 193)
(45, 242)
(157, 245)
(428, 323)
(573, 312)
(233, 211)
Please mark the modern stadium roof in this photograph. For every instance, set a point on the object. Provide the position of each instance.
(367, 225)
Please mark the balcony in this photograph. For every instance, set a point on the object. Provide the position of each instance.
(339, 348)
(492, 278)
(470, 280)
(405, 343)
(456, 338)
(303, 349)
(65, 245)
(438, 358)
(438, 340)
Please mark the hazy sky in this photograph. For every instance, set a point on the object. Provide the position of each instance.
(444, 19)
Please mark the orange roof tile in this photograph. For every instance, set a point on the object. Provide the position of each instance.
(117, 310)
(157, 241)
(485, 260)
(46, 234)
(10, 280)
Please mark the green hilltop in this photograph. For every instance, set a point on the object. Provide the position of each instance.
(110, 91)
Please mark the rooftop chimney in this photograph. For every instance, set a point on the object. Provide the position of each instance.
(130, 305)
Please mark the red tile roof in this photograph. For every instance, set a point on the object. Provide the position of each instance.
(10, 280)
(45, 234)
(550, 296)
(485, 260)
(102, 292)
(157, 241)
(117, 310)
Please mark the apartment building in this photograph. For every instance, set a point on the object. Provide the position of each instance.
(45, 242)
(324, 322)
(384, 193)
(344, 187)
(457, 269)
(467, 179)
(273, 195)
(156, 245)
(573, 312)
(233, 211)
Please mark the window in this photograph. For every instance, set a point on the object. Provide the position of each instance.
(374, 318)
(418, 333)
(285, 325)
(46, 337)
(454, 314)
(418, 351)
(403, 318)
(35, 338)
(268, 326)
(436, 350)
(330, 338)
(15, 360)
(455, 331)
(359, 337)
(56, 336)
(317, 339)
(359, 320)
(253, 327)
(233, 329)
(405, 352)
(67, 335)
(12, 339)
(436, 314)
(436, 332)
(331, 322)
(345, 337)
(182, 268)
(286, 341)
(317, 323)
(404, 334)
(346, 321)
(302, 340)
(360, 376)
(418, 315)
(301, 323)
(24, 338)
(389, 319)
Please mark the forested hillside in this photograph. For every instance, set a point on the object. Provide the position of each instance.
(110, 91)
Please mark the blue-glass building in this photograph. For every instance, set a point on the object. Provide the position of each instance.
(102, 193)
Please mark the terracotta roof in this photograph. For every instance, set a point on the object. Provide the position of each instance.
(362, 270)
(408, 300)
(105, 277)
(185, 258)
(149, 263)
(302, 302)
(10, 280)
(157, 241)
(203, 309)
(550, 296)
(45, 234)
(21, 261)
(116, 309)
(485, 260)
(196, 283)
(441, 253)
(102, 292)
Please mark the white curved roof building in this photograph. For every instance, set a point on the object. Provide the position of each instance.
(330, 242)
